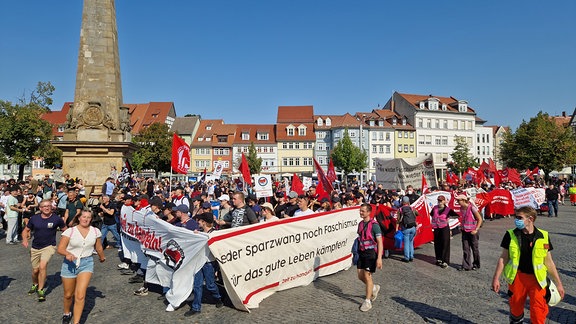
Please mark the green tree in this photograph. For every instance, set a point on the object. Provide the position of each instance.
(23, 133)
(348, 157)
(541, 143)
(254, 162)
(154, 149)
(462, 159)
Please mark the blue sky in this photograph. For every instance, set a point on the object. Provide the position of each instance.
(239, 60)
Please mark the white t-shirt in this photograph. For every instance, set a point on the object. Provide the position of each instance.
(299, 212)
(80, 246)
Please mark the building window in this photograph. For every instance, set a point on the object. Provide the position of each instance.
(420, 122)
(399, 134)
(60, 129)
(319, 121)
(380, 123)
(381, 149)
(222, 138)
(437, 123)
(374, 135)
(263, 136)
(400, 148)
(406, 148)
(352, 134)
(371, 123)
(411, 148)
(437, 140)
(374, 150)
(308, 161)
(38, 164)
(444, 140)
(328, 121)
(387, 136)
(245, 136)
(421, 139)
(428, 123)
(428, 140)
(387, 148)
(290, 131)
(394, 120)
(405, 134)
(411, 134)
(445, 123)
(404, 121)
(320, 135)
(301, 131)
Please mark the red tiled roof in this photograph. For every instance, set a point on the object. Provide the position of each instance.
(282, 133)
(253, 130)
(295, 114)
(57, 118)
(449, 101)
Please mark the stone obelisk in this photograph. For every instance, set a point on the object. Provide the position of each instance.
(97, 132)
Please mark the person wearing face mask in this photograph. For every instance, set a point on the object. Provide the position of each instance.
(411, 194)
(526, 262)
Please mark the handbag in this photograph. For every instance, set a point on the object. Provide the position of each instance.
(398, 239)
(355, 253)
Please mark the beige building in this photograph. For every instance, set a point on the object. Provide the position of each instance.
(295, 139)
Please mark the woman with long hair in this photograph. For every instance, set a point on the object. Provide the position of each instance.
(76, 245)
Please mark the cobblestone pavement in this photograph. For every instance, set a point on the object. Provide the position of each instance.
(417, 292)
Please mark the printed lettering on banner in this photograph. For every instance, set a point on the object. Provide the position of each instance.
(258, 260)
(523, 197)
(130, 244)
(400, 173)
(180, 252)
(263, 185)
(539, 194)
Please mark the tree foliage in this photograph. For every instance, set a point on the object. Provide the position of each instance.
(462, 159)
(541, 143)
(254, 162)
(347, 157)
(23, 133)
(154, 149)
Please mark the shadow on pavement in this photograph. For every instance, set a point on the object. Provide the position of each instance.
(429, 313)
(53, 281)
(5, 282)
(333, 289)
(568, 273)
(566, 234)
(91, 295)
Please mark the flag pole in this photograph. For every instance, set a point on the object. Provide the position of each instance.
(170, 184)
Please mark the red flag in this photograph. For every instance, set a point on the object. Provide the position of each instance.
(297, 185)
(424, 185)
(180, 155)
(514, 176)
(536, 171)
(331, 174)
(497, 178)
(321, 192)
(480, 177)
(491, 165)
(245, 170)
(529, 174)
(322, 177)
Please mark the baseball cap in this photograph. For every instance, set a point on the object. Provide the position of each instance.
(207, 217)
(206, 205)
(181, 208)
(224, 197)
(268, 205)
(405, 200)
(293, 194)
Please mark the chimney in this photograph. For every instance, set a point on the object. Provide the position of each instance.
(392, 105)
(563, 114)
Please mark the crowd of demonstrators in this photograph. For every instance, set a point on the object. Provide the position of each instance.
(218, 205)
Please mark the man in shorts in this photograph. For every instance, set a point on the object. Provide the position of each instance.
(44, 226)
(370, 248)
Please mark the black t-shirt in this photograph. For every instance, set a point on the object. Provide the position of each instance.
(526, 245)
(552, 194)
(107, 218)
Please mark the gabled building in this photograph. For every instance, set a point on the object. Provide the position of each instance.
(212, 142)
(498, 134)
(186, 127)
(264, 139)
(377, 137)
(295, 137)
(438, 121)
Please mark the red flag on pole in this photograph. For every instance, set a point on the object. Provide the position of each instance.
(245, 170)
(322, 177)
(180, 155)
(297, 185)
(331, 174)
(424, 187)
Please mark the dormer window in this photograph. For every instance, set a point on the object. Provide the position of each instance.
(462, 106)
(444, 107)
(263, 136)
(404, 121)
(380, 123)
(301, 130)
(422, 105)
(245, 136)
(290, 130)
(433, 103)
(200, 139)
(394, 120)
(371, 123)
(328, 122)
(208, 127)
(319, 121)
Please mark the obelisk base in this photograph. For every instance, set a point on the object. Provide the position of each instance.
(93, 161)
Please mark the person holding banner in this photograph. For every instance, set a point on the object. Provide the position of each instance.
(370, 250)
(526, 262)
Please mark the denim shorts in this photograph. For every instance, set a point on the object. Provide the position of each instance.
(70, 270)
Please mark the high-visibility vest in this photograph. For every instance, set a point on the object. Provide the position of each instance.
(440, 220)
(539, 252)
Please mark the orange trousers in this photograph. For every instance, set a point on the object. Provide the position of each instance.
(526, 285)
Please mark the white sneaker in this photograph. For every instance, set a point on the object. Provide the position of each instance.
(124, 266)
(366, 305)
(170, 308)
(375, 291)
(141, 292)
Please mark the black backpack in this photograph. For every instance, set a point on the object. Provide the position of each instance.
(408, 217)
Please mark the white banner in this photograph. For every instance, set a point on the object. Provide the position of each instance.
(176, 253)
(539, 194)
(306, 183)
(524, 197)
(263, 185)
(218, 167)
(258, 260)
(399, 173)
(130, 244)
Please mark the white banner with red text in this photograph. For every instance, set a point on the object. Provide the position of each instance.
(179, 252)
(258, 260)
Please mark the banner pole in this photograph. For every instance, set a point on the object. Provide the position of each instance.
(170, 184)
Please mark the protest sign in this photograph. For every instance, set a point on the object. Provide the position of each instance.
(263, 185)
(399, 173)
(523, 197)
(258, 260)
(179, 252)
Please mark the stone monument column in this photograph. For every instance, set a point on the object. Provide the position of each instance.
(97, 132)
